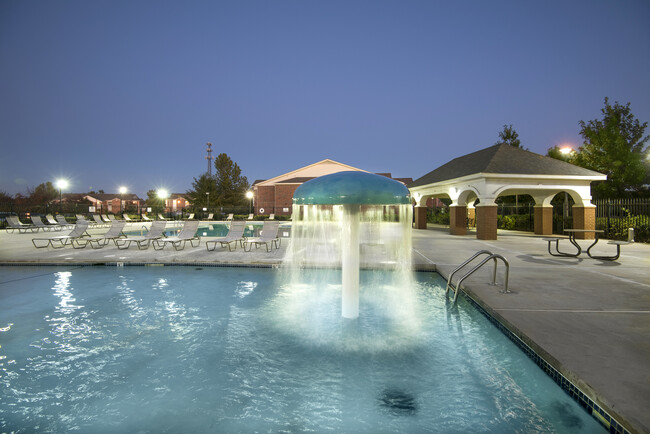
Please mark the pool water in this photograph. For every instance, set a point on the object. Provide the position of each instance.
(191, 349)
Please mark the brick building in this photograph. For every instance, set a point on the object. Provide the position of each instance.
(275, 195)
(114, 203)
(176, 203)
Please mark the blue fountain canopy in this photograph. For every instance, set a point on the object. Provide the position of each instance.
(360, 188)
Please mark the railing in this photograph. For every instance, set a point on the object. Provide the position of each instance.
(492, 256)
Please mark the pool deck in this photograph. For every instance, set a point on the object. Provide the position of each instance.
(590, 319)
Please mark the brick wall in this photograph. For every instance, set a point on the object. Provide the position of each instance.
(264, 198)
(284, 198)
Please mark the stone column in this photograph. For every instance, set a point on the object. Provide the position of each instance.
(584, 217)
(457, 220)
(420, 217)
(486, 222)
(544, 220)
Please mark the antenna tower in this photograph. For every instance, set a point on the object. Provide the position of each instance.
(209, 158)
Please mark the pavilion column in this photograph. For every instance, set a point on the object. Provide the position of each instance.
(544, 219)
(420, 217)
(486, 222)
(458, 220)
(584, 217)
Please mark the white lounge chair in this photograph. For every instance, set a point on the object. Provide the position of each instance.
(115, 231)
(50, 220)
(271, 216)
(235, 234)
(190, 217)
(210, 216)
(60, 241)
(127, 218)
(46, 228)
(188, 233)
(145, 218)
(99, 222)
(16, 225)
(162, 217)
(268, 237)
(250, 217)
(156, 231)
(230, 216)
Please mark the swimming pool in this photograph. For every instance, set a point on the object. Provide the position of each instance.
(234, 349)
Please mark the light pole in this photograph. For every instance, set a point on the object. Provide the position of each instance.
(123, 191)
(163, 194)
(61, 183)
(249, 195)
(207, 193)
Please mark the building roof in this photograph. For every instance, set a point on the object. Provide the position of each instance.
(323, 167)
(504, 159)
(297, 180)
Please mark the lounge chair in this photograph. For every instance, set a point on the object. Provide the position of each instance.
(210, 216)
(16, 225)
(188, 233)
(268, 237)
(127, 218)
(250, 217)
(145, 218)
(60, 241)
(190, 217)
(109, 218)
(271, 216)
(46, 228)
(162, 217)
(99, 222)
(80, 217)
(115, 231)
(230, 216)
(156, 231)
(235, 234)
(50, 220)
(63, 222)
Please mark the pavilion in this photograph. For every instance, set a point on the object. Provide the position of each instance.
(504, 170)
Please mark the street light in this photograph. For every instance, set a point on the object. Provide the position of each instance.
(61, 183)
(123, 191)
(249, 195)
(163, 194)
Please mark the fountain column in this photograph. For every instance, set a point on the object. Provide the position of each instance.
(350, 261)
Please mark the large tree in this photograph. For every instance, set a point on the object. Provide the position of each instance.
(231, 185)
(509, 136)
(616, 146)
(198, 195)
(43, 193)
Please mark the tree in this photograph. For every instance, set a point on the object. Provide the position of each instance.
(43, 193)
(5, 198)
(154, 202)
(198, 196)
(615, 145)
(557, 153)
(509, 137)
(231, 185)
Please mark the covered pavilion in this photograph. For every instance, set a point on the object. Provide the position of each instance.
(505, 170)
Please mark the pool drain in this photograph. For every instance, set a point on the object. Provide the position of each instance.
(398, 402)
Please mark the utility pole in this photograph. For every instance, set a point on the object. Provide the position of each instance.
(209, 158)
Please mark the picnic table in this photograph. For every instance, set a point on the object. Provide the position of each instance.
(572, 239)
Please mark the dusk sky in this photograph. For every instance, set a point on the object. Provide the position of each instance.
(111, 93)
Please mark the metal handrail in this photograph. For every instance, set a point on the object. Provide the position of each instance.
(492, 256)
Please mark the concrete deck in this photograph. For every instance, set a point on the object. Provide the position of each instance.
(589, 319)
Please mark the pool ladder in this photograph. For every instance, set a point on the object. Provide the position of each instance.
(492, 256)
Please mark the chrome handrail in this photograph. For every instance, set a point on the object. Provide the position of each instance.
(492, 256)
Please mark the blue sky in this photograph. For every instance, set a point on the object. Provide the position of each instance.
(111, 93)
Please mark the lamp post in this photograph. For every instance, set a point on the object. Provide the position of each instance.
(207, 193)
(123, 191)
(163, 194)
(61, 183)
(249, 195)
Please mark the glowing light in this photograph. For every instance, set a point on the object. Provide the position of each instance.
(123, 190)
(249, 194)
(62, 184)
(162, 193)
(566, 150)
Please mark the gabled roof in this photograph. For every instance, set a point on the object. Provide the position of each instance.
(324, 167)
(502, 159)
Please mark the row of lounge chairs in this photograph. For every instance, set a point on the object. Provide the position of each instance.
(79, 238)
